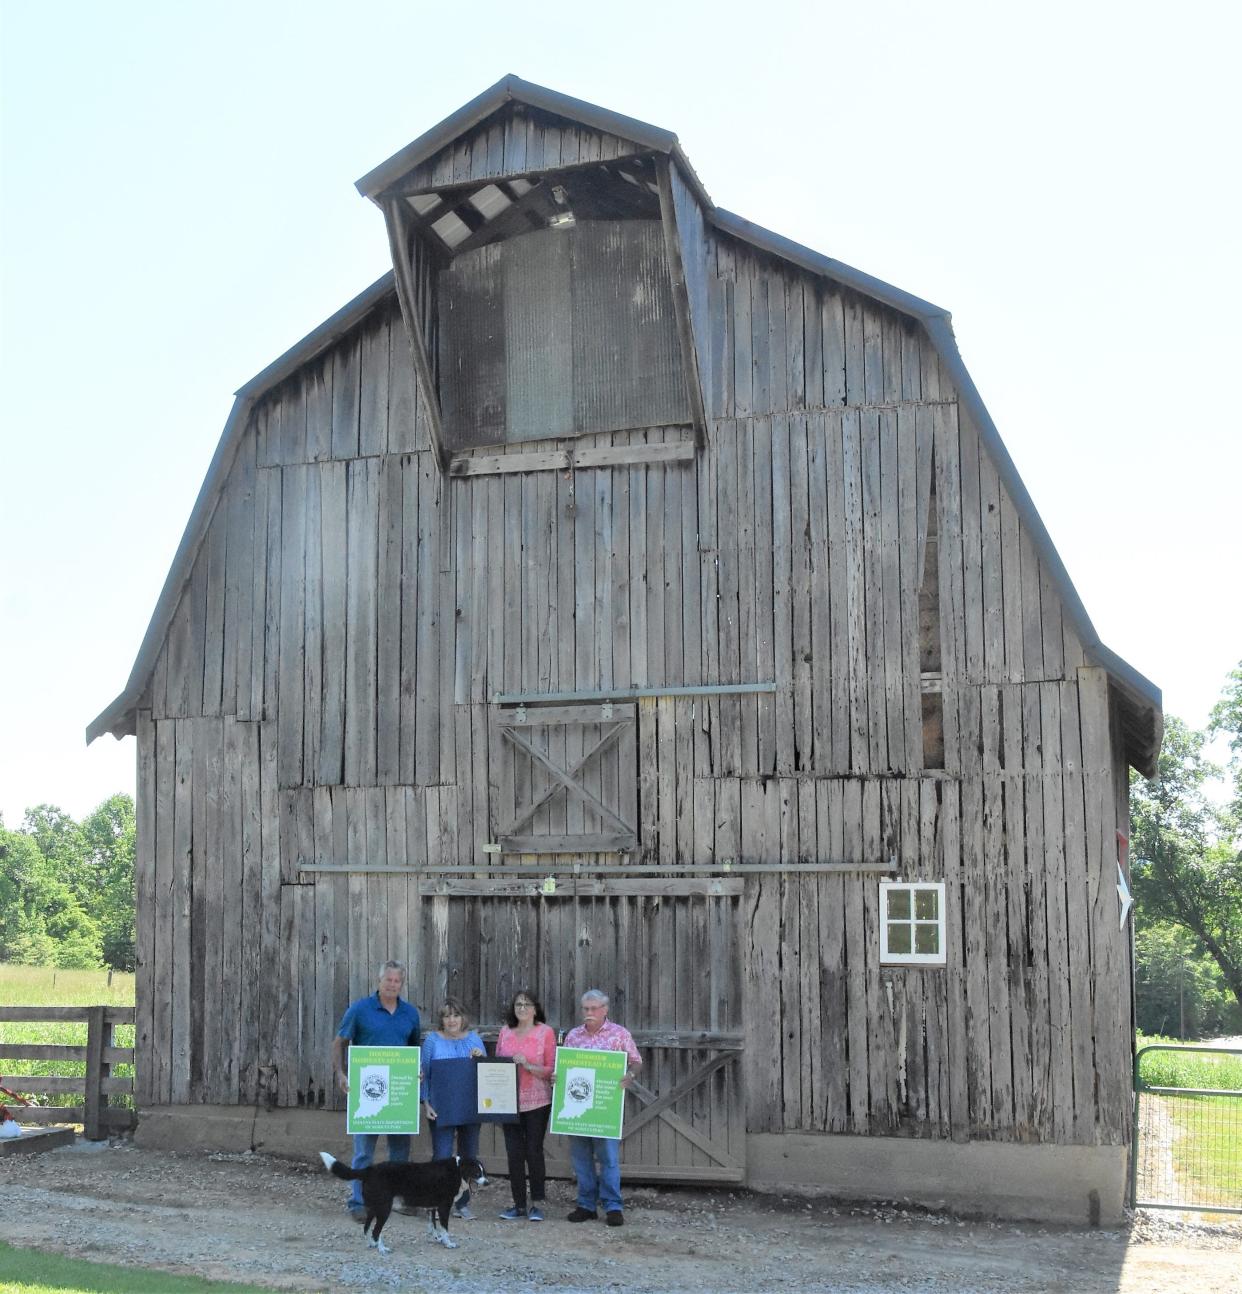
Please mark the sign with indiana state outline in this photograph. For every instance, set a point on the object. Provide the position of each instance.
(588, 1099)
(383, 1090)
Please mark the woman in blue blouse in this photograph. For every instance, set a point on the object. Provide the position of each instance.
(454, 1040)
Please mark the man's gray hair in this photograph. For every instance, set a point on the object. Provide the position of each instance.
(392, 966)
(595, 995)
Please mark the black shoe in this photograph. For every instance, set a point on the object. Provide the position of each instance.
(582, 1215)
(614, 1218)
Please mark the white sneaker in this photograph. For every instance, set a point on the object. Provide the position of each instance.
(465, 1212)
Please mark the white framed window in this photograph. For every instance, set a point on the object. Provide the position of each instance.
(912, 923)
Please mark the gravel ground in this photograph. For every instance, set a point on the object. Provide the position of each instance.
(282, 1224)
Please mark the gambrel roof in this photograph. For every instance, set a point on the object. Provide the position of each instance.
(422, 175)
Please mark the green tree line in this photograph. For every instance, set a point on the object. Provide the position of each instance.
(1186, 870)
(67, 888)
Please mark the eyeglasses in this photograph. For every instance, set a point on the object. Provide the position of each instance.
(523, 1002)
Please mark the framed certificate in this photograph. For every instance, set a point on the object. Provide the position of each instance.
(498, 1087)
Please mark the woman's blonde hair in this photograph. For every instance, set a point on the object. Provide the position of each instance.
(451, 1006)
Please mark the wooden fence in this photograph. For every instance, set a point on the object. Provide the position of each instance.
(98, 1083)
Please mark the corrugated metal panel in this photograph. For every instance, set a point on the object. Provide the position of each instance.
(538, 335)
(627, 359)
(560, 332)
(472, 359)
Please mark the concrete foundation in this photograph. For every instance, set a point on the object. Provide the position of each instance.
(287, 1134)
(1075, 1184)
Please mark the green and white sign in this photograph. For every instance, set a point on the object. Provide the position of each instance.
(383, 1090)
(588, 1099)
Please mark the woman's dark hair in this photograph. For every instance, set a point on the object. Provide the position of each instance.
(511, 1015)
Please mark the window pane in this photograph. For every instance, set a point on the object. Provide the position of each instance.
(898, 904)
(926, 939)
(898, 938)
(925, 904)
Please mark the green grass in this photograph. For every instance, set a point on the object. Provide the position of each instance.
(1207, 1147)
(1187, 1068)
(47, 986)
(1207, 1155)
(31, 1271)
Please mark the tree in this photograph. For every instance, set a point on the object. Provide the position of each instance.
(94, 863)
(41, 921)
(1187, 860)
(1178, 988)
(59, 839)
(108, 834)
(1227, 721)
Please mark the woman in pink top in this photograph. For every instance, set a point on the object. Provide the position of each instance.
(529, 1039)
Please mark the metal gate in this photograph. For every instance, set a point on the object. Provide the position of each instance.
(1187, 1151)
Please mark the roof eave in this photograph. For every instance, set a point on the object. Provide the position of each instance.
(118, 717)
(764, 239)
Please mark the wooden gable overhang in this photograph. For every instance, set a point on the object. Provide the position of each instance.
(468, 181)
(514, 163)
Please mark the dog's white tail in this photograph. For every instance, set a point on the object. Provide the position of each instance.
(328, 1160)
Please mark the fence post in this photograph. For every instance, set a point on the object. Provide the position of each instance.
(95, 1100)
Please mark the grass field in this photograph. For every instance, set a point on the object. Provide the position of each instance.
(30, 1271)
(47, 986)
(1186, 1068)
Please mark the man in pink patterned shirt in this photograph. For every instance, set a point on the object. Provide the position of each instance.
(597, 1160)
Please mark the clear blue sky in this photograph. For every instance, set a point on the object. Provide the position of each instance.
(178, 209)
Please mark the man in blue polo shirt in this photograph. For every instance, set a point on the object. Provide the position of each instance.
(380, 1020)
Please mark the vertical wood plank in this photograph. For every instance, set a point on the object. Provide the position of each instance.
(346, 396)
(180, 934)
(361, 622)
(148, 907)
(270, 914)
(388, 616)
(250, 900)
(375, 365)
(314, 628)
(333, 542)
(1078, 926)
(290, 681)
(855, 602)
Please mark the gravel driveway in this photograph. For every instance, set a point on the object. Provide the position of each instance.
(279, 1223)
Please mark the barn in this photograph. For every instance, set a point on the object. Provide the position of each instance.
(619, 594)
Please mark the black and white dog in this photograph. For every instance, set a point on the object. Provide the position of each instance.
(433, 1186)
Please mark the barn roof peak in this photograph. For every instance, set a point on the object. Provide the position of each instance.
(507, 91)
(423, 177)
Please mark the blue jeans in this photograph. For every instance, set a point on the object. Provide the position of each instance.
(467, 1137)
(365, 1144)
(597, 1166)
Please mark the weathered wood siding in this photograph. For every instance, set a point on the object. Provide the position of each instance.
(324, 696)
(516, 141)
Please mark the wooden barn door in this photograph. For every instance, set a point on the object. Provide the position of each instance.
(667, 952)
(567, 780)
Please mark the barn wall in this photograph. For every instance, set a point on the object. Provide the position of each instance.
(323, 697)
